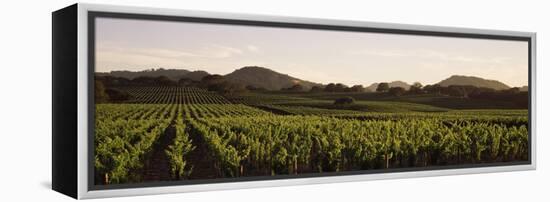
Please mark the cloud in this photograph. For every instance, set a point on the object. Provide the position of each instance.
(111, 55)
(219, 51)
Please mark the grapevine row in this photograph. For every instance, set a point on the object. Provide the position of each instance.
(295, 144)
(246, 141)
(174, 95)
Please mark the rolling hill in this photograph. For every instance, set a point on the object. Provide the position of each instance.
(261, 77)
(524, 88)
(473, 81)
(195, 75)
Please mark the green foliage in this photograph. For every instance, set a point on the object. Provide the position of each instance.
(124, 134)
(344, 100)
(247, 141)
(179, 150)
(382, 87)
(396, 91)
(284, 144)
(174, 95)
(99, 92)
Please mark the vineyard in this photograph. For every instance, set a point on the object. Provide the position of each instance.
(292, 145)
(216, 137)
(174, 95)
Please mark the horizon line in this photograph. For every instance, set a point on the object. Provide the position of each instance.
(322, 83)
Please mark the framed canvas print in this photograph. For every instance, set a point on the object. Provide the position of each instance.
(150, 101)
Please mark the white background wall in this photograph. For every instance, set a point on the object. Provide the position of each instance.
(25, 102)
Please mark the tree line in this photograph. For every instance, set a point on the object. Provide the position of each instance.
(106, 88)
(515, 95)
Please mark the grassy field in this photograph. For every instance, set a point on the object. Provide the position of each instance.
(441, 101)
(297, 100)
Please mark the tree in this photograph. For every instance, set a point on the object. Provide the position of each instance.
(117, 96)
(185, 82)
(383, 87)
(416, 88)
(110, 81)
(233, 88)
(344, 100)
(228, 88)
(396, 91)
(143, 81)
(153, 81)
(217, 87)
(294, 88)
(331, 87)
(339, 87)
(213, 79)
(433, 89)
(459, 90)
(316, 89)
(99, 92)
(164, 81)
(357, 88)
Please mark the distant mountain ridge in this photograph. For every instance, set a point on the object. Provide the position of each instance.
(473, 81)
(261, 77)
(196, 75)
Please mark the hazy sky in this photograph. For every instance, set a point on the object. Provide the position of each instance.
(315, 55)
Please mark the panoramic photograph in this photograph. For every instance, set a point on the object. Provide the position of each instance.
(184, 101)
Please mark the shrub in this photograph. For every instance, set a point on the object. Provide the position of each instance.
(344, 100)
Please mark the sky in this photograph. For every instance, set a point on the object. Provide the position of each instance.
(321, 56)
